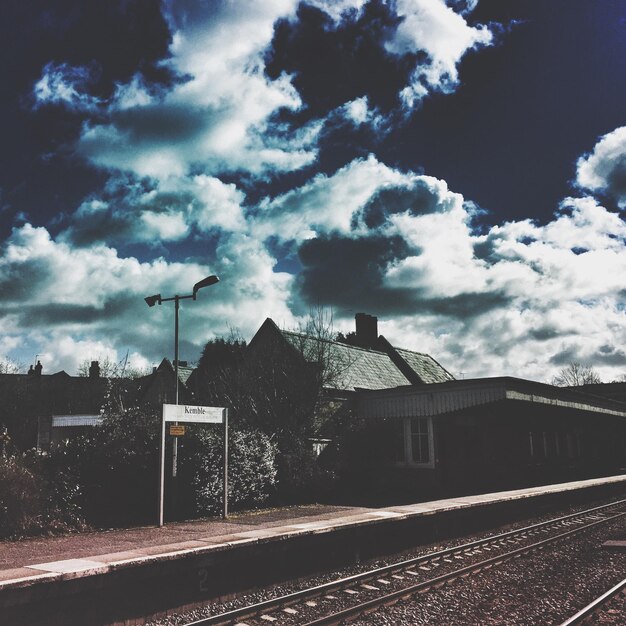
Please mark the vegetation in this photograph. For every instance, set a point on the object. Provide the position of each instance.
(112, 369)
(9, 366)
(36, 495)
(108, 477)
(575, 375)
(278, 390)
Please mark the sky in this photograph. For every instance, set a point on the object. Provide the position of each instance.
(455, 167)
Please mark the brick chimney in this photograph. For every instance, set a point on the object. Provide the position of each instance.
(366, 329)
(94, 370)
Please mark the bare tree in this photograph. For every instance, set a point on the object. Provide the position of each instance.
(315, 340)
(112, 369)
(575, 375)
(9, 366)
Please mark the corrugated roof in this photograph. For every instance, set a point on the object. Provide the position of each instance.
(350, 367)
(424, 366)
(442, 398)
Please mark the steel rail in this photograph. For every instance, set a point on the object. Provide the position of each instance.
(273, 604)
(391, 598)
(595, 606)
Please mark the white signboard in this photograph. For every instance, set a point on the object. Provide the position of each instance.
(195, 414)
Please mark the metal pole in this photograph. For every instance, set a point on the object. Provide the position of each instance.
(225, 501)
(162, 469)
(175, 439)
(177, 306)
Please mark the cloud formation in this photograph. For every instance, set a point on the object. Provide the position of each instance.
(404, 246)
(246, 145)
(604, 170)
(52, 291)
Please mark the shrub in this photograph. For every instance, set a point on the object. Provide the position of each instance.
(251, 469)
(35, 498)
(117, 465)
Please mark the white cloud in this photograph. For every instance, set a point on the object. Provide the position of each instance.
(220, 117)
(158, 211)
(604, 170)
(75, 304)
(434, 27)
(520, 299)
(325, 204)
(61, 83)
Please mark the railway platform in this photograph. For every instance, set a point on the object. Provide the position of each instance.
(127, 576)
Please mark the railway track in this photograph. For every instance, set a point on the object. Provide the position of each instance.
(346, 598)
(592, 613)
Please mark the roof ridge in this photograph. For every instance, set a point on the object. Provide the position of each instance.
(412, 351)
(331, 341)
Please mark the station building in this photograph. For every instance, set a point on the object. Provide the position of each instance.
(486, 434)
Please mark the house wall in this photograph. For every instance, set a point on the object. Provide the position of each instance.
(503, 445)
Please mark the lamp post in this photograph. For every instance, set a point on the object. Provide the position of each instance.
(158, 299)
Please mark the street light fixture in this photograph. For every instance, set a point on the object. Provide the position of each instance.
(158, 299)
(152, 300)
(205, 282)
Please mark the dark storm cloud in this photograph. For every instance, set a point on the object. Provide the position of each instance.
(545, 333)
(566, 356)
(418, 199)
(162, 123)
(19, 281)
(610, 355)
(349, 272)
(334, 63)
(116, 215)
(54, 314)
(607, 355)
(104, 226)
(464, 305)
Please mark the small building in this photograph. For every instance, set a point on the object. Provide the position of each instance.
(487, 434)
(39, 409)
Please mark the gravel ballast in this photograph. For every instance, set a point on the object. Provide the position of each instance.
(498, 596)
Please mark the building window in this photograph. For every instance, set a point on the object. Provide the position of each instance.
(536, 444)
(416, 446)
(420, 440)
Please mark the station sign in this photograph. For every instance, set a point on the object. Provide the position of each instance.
(193, 414)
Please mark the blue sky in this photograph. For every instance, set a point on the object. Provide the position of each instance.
(456, 168)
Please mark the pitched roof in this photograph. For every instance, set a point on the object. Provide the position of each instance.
(427, 369)
(380, 367)
(350, 367)
(184, 373)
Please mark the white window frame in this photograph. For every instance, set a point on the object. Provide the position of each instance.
(407, 442)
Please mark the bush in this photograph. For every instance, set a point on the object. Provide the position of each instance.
(251, 470)
(35, 498)
(118, 466)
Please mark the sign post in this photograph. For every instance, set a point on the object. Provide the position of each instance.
(193, 415)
